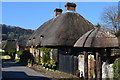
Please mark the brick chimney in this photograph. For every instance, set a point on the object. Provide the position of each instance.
(57, 12)
(70, 7)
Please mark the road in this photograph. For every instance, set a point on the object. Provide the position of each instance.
(15, 71)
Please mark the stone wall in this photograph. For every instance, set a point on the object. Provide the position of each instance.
(81, 65)
(107, 70)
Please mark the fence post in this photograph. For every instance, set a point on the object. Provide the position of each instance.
(85, 65)
(98, 66)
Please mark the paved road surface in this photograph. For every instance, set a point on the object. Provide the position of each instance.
(15, 71)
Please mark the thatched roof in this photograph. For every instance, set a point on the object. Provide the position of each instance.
(63, 30)
(9, 45)
(36, 36)
(3, 43)
(99, 37)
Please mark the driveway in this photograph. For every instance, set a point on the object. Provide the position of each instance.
(15, 71)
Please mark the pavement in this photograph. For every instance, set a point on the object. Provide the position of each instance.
(15, 71)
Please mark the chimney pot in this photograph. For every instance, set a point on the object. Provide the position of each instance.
(70, 7)
(70, 4)
(57, 12)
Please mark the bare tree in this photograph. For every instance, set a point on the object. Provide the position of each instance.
(109, 16)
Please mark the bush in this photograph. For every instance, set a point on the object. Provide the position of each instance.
(45, 50)
(51, 63)
(19, 53)
(37, 59)
(25, 56)
(17, 60)
(12, 54)
(45, 58)
(46, 61)
(30, 61)
(3, 53)
(116, 68)
(46, 55)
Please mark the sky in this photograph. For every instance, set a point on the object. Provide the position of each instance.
(30, 15)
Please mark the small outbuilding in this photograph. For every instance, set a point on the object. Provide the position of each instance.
(99, 42)
(97, 38)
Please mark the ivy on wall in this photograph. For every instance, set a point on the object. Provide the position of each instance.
(116, 68)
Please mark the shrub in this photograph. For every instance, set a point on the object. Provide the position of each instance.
(17, 60)
(46, 61)
(37, 59)
(116, 68)
(12, 54)
(45, 50)
(19, 53)
(30, 61)
(45, 58)
(46, 55)
(51, 63)
(3, 53)
(25, 56)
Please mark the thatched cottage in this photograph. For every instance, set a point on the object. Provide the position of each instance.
(61, 33)
(70, 35)
(8, 45)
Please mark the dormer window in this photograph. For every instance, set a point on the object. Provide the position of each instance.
(33, 39)
(41, 36)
